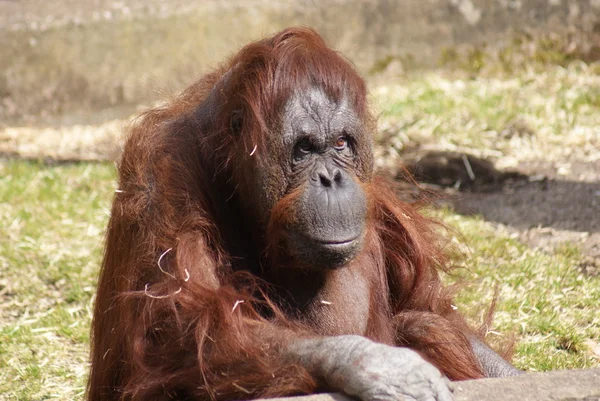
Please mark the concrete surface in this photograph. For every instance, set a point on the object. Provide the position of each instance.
(564, 385)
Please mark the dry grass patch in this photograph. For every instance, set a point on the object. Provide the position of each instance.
(551, 114)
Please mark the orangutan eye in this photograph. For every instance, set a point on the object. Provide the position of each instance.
(341, 143)
(303, 148)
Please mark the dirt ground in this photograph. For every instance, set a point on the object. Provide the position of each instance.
(545, 204)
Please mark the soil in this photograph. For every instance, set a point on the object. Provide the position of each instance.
(545, 204)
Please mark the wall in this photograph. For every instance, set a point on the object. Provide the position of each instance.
(71, 57)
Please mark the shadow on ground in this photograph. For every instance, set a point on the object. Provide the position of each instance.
(543, 207)
(559, 204)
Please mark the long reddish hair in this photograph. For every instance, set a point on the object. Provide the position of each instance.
(173, 317)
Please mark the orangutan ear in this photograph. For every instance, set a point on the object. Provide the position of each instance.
(236, 122)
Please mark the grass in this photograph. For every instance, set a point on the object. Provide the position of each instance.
(51, 225)
(534, 114)
(544, 300)
(52, 220)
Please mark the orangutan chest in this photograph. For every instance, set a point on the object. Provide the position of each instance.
(342, 305)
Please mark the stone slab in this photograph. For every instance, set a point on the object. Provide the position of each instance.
(563, 385)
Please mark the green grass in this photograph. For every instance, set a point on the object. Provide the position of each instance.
(562, 97)
(51, 224)
(544, 300)
(549, 114)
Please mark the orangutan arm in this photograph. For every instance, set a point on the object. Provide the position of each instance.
(493, 365)
(370, 371)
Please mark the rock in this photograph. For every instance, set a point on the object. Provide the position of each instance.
(563, 385)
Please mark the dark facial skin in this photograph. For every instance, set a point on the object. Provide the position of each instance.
(317, 150)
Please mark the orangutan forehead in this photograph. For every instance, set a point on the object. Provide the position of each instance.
(315, 101)
(312, 111)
